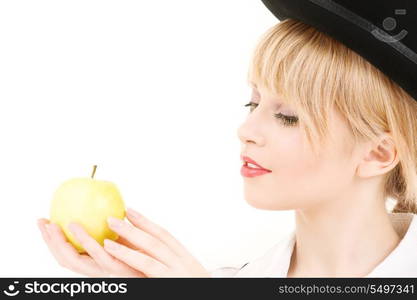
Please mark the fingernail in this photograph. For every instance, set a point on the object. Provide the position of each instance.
(39, 223)
(44, 229)
(109, 244)
(48, 228)
(114, 222)
(73, 228)
(132, 213)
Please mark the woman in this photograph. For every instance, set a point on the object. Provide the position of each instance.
(334, 137)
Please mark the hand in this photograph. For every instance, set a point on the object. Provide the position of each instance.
(159, 254)
(97, 263)
(143, 249)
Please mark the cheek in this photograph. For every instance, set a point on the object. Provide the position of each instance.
(294, 171)
(304, 179)
(291, 159)
(298, 177)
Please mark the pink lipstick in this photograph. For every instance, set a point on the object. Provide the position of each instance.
(251, 168)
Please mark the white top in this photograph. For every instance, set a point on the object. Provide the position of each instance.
(401, 262)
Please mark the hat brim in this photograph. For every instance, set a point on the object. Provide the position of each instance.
(360, 34)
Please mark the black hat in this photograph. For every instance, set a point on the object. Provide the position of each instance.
(384, 32)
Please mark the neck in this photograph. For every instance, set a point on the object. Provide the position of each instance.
(336, 241)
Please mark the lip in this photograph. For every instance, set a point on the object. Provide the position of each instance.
(252, 172)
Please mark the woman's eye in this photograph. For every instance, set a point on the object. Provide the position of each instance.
(252, 106)
(285, 120)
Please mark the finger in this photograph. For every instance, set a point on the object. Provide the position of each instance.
(137, 260)
(125, 270)
(123, 241)
(145, 241)
(157, 231)
(67, 256)
(97, 252)
(41, 225)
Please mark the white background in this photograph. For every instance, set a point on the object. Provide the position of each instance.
(153, 93)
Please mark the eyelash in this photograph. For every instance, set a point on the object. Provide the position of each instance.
(286, 120)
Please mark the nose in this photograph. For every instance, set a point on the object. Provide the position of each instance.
(247, 132)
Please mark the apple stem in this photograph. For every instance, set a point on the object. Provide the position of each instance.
(94, 171)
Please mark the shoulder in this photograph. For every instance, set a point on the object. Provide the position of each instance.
(402, 260)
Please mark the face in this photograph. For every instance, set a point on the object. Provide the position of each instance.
(271, 136)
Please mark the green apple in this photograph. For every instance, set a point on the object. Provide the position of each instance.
(88, 202)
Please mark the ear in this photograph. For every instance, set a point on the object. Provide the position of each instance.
(378, 158)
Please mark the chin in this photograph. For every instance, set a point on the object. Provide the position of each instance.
(268, 203)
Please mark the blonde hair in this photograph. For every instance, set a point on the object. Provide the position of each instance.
(314, 72)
